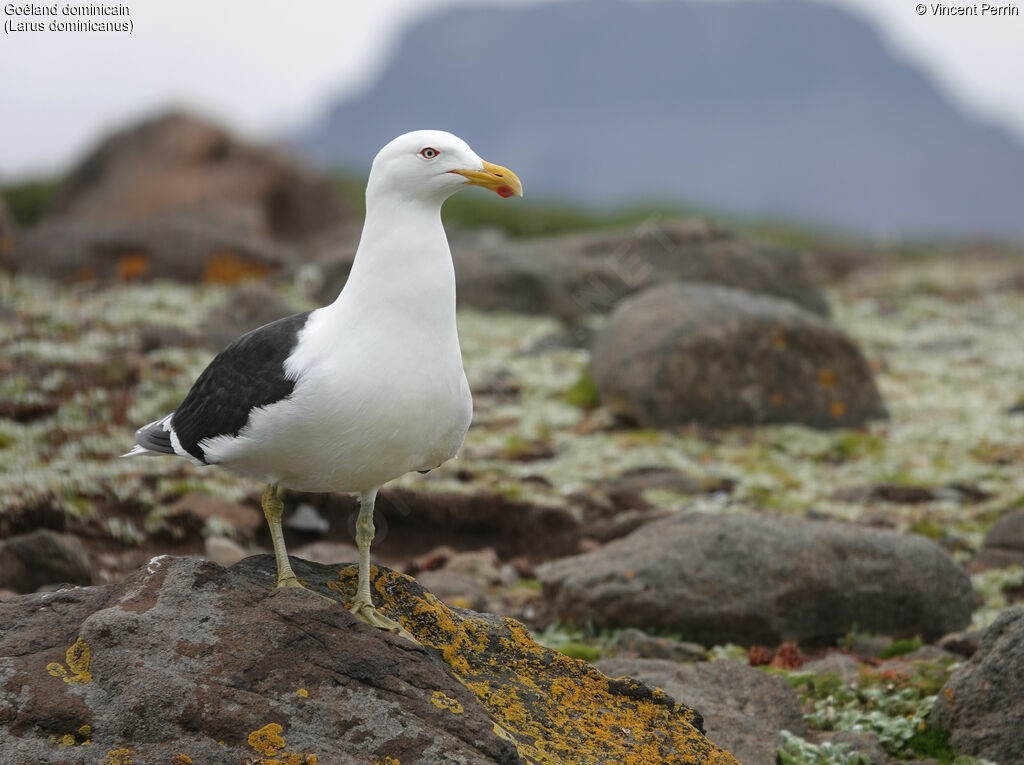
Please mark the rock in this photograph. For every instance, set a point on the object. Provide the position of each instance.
(8, 229)
(1004, 543)
(963, 644)
(188, 660)
(834, 663)
(744, 709)
(41, 558)
(246, 308)
(980, 705)
(682, 353)
(455, 589)
(199, 510)
(306, 520)
(869, 646)
(574, 275)
(902, 494)
(184, 247)
(412, 522)
(755, 579)
(223, 551)
(328, 552)
(638, 644)
(482, 565)
(177, 162)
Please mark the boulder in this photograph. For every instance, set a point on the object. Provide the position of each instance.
(575, 275)
(177, 162)
(41, 558)
(186, 661)
(755, 579)
(1004, 543)
(744, 709)
(185, 246)
(683, 353)
(981, 705)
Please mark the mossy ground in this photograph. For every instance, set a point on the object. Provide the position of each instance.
(943, 334)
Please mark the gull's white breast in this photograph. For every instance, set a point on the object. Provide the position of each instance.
(368, 406)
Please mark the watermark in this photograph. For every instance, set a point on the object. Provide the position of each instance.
(975, 9)
(24, 19)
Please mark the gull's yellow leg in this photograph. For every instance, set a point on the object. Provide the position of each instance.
(362, 608)
(273, 509)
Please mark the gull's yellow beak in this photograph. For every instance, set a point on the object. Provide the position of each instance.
(494, 177)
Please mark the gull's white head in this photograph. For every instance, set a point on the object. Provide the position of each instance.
(432, 164)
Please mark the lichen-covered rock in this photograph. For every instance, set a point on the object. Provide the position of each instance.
(186, 661)
(981, 704)
(744, 709)
(761, 579)
(184, 246)
(682, 353)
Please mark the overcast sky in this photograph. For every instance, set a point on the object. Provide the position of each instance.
(263, 66)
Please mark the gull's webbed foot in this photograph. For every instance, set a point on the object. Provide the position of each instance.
(366, 613)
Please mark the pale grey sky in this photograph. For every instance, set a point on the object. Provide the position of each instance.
(263, 66)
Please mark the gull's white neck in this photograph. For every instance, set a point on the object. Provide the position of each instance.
(402, 272)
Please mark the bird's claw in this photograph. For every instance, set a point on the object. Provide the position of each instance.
(366, 613)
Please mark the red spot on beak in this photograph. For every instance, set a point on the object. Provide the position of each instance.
(504, 191)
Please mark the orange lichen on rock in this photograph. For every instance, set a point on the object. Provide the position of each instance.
(181, 759)
(442, 700)
(554, 708)
(227, 267)
(837, 409)
(826, 377)
(119, 757)
(132, 267)
(78, 657)
(269, 741)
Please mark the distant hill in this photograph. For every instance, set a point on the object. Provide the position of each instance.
(785, 108)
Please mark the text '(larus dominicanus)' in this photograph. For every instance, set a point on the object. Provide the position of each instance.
(352, 395)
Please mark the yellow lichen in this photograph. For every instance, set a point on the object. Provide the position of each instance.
(66, 740)
(389, 760)
(78, 657)
(119, 757)
(268, 739)
(442, 700)
(556, 709)
(303, 692)
(181, 759)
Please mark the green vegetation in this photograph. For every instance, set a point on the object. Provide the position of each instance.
(901, 647)
(31, 200)
(798, 751)
(583, 393)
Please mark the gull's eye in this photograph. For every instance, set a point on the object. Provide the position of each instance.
(429, 152)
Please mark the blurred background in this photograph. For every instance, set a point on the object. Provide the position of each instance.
(769, 266)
